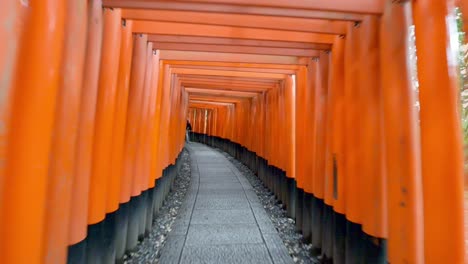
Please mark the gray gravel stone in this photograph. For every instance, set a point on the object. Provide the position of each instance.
(149, 250)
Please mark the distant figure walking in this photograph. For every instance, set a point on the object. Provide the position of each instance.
(188, 129)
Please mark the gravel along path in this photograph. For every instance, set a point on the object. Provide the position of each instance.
(299, 251)
(148, 250)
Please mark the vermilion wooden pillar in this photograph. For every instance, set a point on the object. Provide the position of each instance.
(337, 157)
(441, 137)
(102, 145)
(67, 113)
(312, 67)
(173, 118)
(373, 189)
(134, 102)
(33, 102)
(335, 189)
(320, 123)
(354, 244)
(151, 116)
(290, 105)
(117, 181)
(85, 138)
(165, 113)
(352, 128)
(141, 182)
(402, 145)
(156, 119)
(9, 15)
(301, 121)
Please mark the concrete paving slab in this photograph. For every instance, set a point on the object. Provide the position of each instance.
(226, 254)
(278, 251)
(218, 174)
(180, 228)
(222, 186)
(252, 197)
(172, 250)
(215, 163)
(214, 192)
(223, 234)
(215, 171)
(237, 216)
(218, 179)
(225, 202)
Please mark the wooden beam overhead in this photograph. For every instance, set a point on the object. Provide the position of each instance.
(227, 85)
(226, 79)
(215, 87)
(223, 93)
(236, 9)
(243, 69)
(172, 28)
(274, 76)
(236, 42)
(200, 104)
(207, 98)
(239, 20)
(230, 57)
(354, 6)
(232, 64)
(236, 49)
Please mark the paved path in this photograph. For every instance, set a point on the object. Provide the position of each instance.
(221, 220)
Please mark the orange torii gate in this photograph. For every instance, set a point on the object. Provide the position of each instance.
(315, 96)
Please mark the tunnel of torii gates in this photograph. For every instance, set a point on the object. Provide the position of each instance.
(316, 97)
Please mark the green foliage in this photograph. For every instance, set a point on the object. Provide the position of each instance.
(462, 62)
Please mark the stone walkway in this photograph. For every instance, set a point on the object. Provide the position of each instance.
(221, 220)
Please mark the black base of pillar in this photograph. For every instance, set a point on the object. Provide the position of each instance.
(291, 198)
(317, 214)
(376, 249)
(307, 217)
(284, 189)
(299, 209)
(339, 245)
(355, 247)
(95, 245)
(328, 231)
(77, 253)
(133, 224)
(142, 215)
(121, 226)
(149, 211)
(109, 238)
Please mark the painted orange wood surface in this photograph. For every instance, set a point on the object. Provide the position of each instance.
(402, 146)
(63, 148)
(353, 128)
(133, 115)
(86, 124)
(118, 184)
(336, 158)
(441, 140)
(373, 185)
(105, 107)
(27, 150)
(95, 96)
